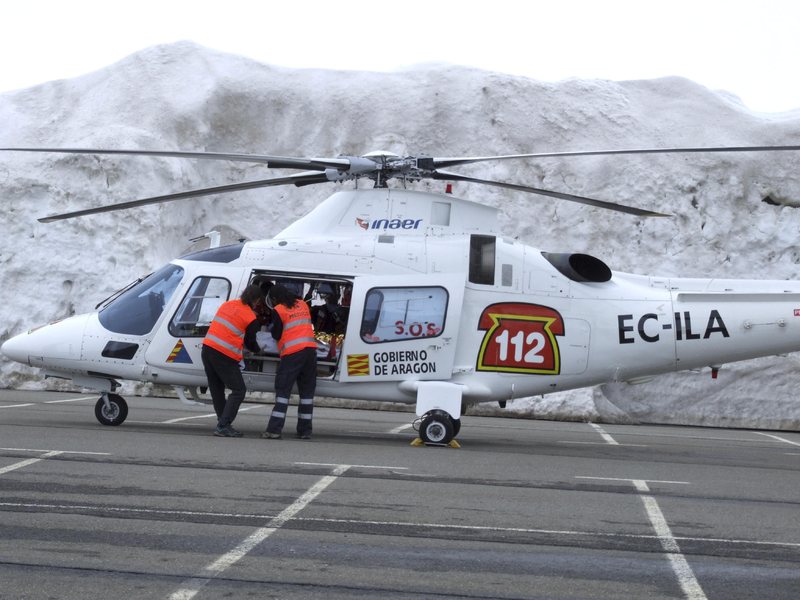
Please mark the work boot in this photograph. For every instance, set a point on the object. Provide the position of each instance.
(227, 431)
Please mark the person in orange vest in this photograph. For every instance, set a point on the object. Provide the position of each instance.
(233, 328)
(292, 328)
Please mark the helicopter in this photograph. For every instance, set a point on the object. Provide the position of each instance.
(417, 298)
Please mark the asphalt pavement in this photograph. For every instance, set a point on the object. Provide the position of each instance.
(160, 508)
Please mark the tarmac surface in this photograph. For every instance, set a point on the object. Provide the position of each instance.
(160, 508)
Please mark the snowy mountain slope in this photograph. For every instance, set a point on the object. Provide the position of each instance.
(183, 96)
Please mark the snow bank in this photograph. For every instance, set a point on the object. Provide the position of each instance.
(183, 96)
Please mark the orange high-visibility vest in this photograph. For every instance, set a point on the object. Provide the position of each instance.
(226, 333)
(298, 332)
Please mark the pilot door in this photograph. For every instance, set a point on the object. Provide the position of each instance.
(402, 327)
(177, 342)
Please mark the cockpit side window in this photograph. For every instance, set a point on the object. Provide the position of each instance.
(194, 315)
(137, 310)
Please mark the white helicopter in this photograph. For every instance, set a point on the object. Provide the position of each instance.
(418, 300)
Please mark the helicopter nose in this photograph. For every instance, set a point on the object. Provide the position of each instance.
(61, 340)
(16, 348)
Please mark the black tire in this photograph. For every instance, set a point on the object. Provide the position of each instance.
(115, 413)
(456, 426)
(436, 428)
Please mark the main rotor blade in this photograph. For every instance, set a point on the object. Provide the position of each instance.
(298, 179)
(275, 162)
(445, 176)
(451, 162)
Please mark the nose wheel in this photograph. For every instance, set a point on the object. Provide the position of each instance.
(111, 409)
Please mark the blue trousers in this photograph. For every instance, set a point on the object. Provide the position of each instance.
(301, 368)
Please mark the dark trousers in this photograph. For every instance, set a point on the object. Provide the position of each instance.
(223, 372)
(301, 368)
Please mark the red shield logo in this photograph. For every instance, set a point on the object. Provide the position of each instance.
(520, 338)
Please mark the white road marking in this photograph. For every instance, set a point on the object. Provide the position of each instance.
(401, 428)
(680, 566)
(779, 438)
(71, 400)
(443, 526)
(603, 434)
(631, 431)
(58, 451)
(601, 444)
(194, 585)
(47, 402)
(185, 419)
(241, 410)
(311, 464)
(28, 462)
(686, 578)
(629, 480)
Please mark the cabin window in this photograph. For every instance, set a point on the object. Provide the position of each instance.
(407, 313)
(136, 311)
(481, 259)
(194, 315)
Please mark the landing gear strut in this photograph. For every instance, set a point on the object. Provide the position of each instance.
(111, 409)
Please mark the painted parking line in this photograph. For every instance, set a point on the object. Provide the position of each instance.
(604, 434)
(402, 428)
(600, 444)
(313, 464)
(630, 480)
(686, 578)
(47, 402)
(59, 451)
(216, 568)
(680, 566)
(779, 438)
(30, 461)
(161, 512)
(205, 416)
(71, 400)
(608, 440)
(182, 419)
(27, 462)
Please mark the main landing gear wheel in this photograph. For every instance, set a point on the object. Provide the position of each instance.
(111, 409)
(437, 427)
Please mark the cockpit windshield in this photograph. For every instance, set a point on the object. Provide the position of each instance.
(137, 310)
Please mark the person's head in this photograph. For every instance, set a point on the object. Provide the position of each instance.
(252, 295)
(265, 286)
(280, 294)
(326, 291)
